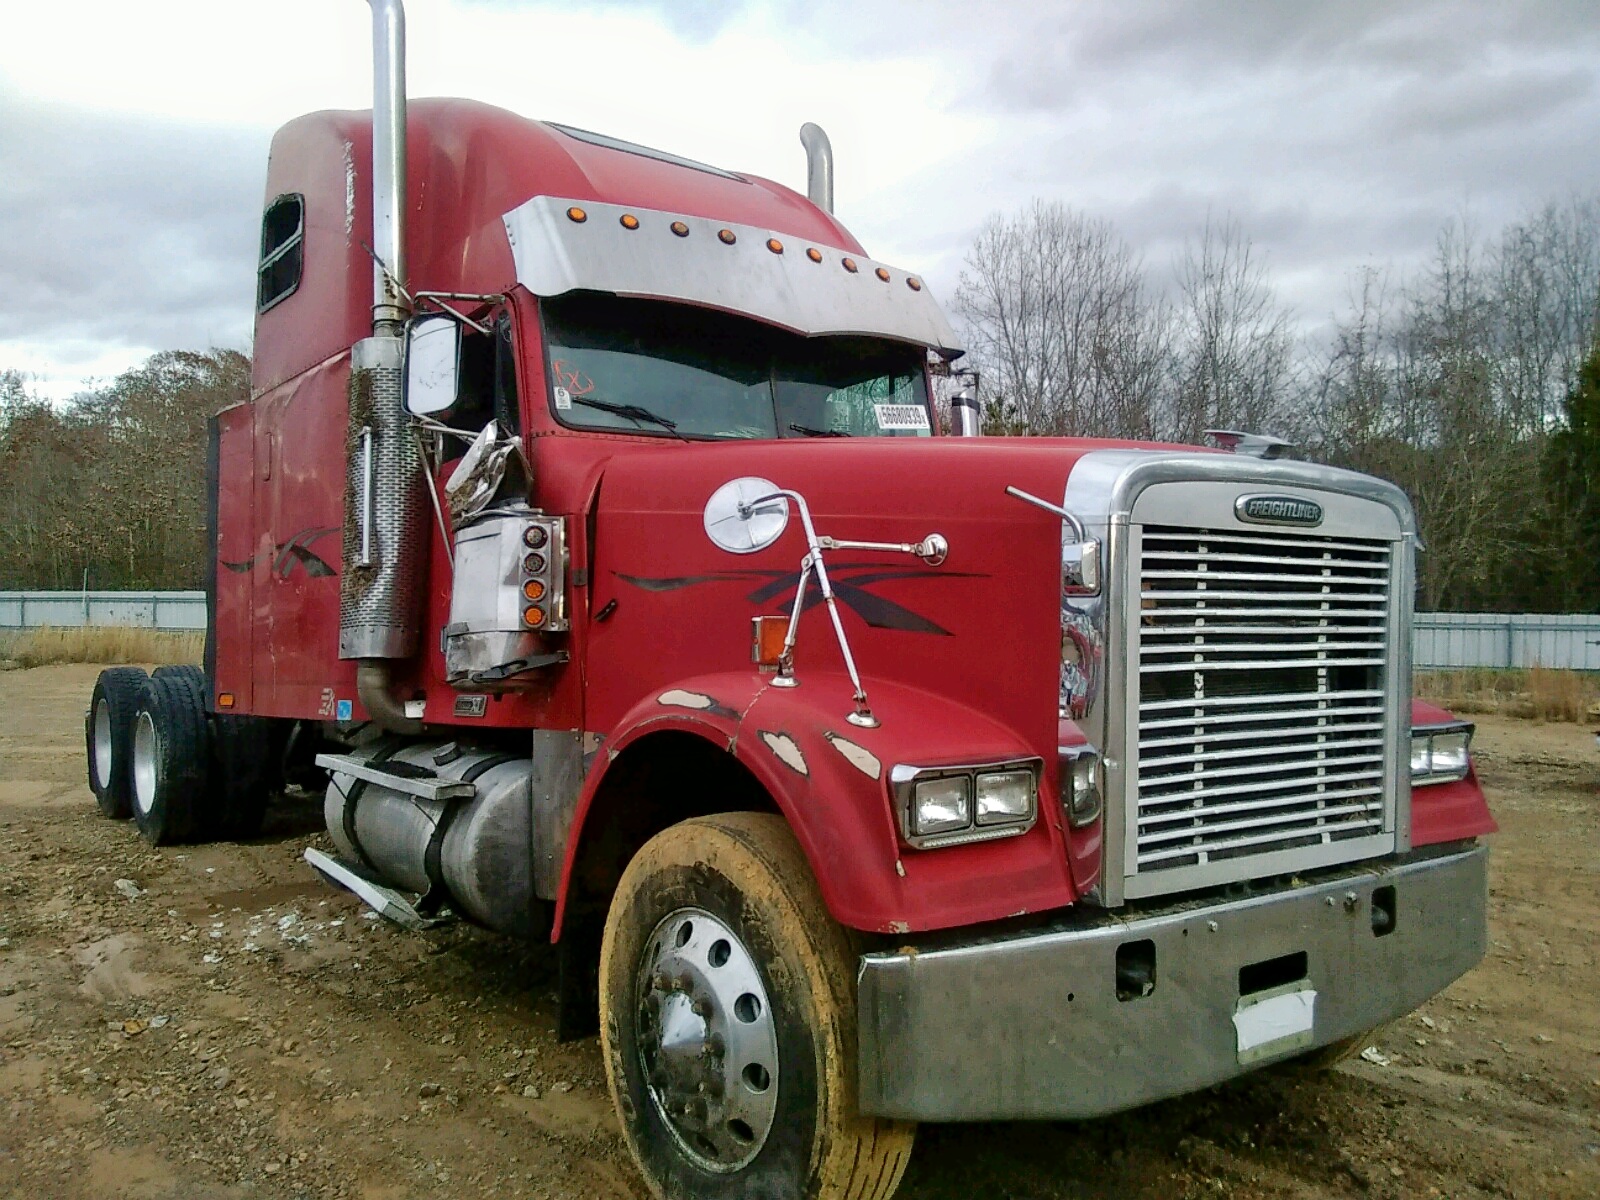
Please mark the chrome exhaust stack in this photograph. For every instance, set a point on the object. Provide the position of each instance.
(385, 518)
(819, 166)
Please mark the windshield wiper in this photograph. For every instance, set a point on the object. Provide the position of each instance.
(810, 432)
(633, 412)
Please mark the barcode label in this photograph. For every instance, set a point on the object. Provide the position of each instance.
(901, 416)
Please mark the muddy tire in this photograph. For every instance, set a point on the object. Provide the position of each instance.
(171, 761)
(721, 969)
(182, 671)
(241, 776)
(108, 735)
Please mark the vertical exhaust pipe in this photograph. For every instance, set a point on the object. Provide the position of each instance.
(819, 166)
(389, 306)
(385, 516)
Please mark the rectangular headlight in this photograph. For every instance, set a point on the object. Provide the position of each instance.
(1440, 754)
(955, 805)
(1005, 797)
(941, 805)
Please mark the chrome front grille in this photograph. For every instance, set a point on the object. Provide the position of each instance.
(1261, 703)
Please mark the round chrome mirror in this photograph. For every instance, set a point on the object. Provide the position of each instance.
(734, 520)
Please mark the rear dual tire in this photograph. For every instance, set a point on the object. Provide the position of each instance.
(171, 758)
(108, 730)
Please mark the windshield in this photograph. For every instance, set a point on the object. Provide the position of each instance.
(673, 370)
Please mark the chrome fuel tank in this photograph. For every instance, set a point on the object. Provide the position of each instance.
(474, 854)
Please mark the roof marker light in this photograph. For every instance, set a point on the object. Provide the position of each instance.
(629, 221)
(577, 215)
(914, 283)
(882, 273)
(727, 236)
(814, 254)
(775, 245)
(850, 265)
(679, 228)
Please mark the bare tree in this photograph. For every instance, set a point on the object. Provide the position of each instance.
(1233, 367)
(1060, 324)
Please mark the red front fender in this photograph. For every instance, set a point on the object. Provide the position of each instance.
(830, 779)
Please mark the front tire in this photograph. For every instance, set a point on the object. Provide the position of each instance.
(171, 759)
(728, 1020)
(108, 727)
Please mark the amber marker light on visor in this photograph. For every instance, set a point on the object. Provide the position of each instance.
(914, 284)
(766, 640)
(679, 228)
(775, 245)
(882, 274)
(814, 254)
(850, 265)
(577, 215)
(628, 221)
(727, 236)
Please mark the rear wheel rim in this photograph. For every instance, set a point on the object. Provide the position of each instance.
(144, 763)
(102, 744)
(708, 1045)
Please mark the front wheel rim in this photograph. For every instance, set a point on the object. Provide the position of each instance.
(708, 1045)
(144, 763)
(102, 744)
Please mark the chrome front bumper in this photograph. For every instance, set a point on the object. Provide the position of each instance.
(1030, 1025)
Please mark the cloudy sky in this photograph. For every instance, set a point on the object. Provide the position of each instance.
(133, 133)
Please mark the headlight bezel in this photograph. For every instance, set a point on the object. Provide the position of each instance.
(904, 782)
(1425, 740)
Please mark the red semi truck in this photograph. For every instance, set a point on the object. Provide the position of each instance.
(591, 526)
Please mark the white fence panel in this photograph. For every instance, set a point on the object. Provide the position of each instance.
(176, 611)
(1569, 641)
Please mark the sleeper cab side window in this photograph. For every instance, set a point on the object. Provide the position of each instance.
(283, 232)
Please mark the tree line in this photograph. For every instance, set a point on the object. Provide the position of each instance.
(1473, 382)
(109, 488)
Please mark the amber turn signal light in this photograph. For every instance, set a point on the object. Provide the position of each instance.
(533, 590)
(533, 616)
(225, 700)
(766, 640)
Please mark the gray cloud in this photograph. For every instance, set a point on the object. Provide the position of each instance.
(118, 233)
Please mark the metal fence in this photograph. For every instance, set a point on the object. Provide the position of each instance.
(148, 610)
(1507, 640)
(1439, 639)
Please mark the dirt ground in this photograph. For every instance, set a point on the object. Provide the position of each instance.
(213, 1022)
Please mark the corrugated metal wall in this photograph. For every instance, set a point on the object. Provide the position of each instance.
(1507, 640)
(150, 610)
(1441, 639)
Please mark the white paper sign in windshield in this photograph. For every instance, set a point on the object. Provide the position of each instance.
(902, 416)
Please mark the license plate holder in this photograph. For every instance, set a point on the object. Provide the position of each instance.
(1274, 1022)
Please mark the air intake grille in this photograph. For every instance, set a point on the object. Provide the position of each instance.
(1261, 703)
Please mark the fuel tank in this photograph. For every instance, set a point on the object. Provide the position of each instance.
(473, 854)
